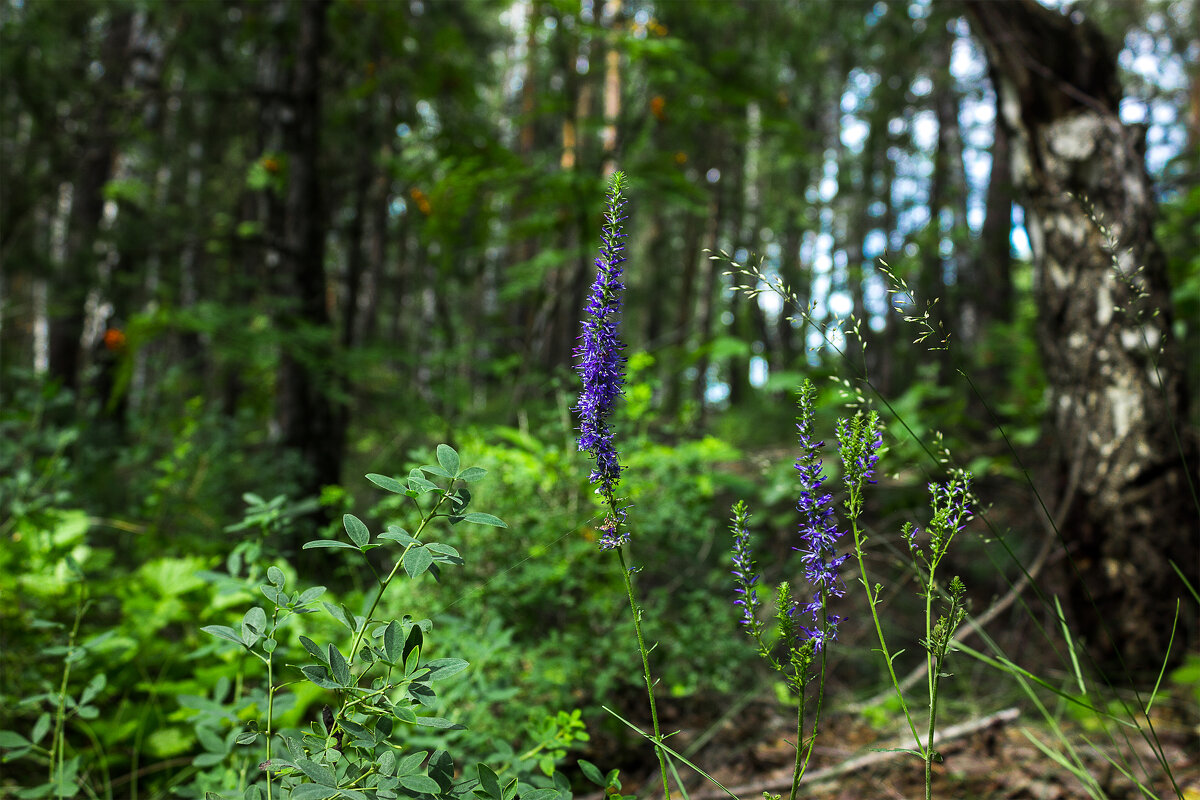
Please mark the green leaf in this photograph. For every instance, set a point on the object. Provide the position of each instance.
(357, 530)
(319, 676)
(254, 622)
(94, 687)
(489, 781)
(319, 543)
(592, 773)
(275, 576)
(339, 613)
(387, 762)
(412, 660)
(540, 794)
(317, 772)
(441, 668)
(416, 561)
(417, 482)
(406, 714)
(397, 534)
(41, 727)
(386, 483)
(443, 549)
(273, 594)
(413, 640)
(308, 595)
(246, 737)
(484, 519)
(223, 632)
(314, 650)
(13, 739)
(313, 791)
(441, 724)
(422, 693)
(472, 474)
(337, 663)
(420, 783)
(393, 641)
(411, 764)
(448, 458)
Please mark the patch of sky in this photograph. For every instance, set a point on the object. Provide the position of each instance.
(716, 390)
(913, 218)
(875, 243)
(921, 86)
(924, 130)
(397, 207)
(876, 13)
(841, 304)
(759, 371)
(1019, 238)
(827, 188)
(854, 133)
(967, 64)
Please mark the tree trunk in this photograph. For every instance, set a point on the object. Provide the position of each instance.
(80, 274)
(1117, 395)
(309, 415)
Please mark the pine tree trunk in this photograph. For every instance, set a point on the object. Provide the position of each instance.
(1117, 397)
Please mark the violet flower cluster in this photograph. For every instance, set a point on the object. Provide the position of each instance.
(818, 528)
(601, 364)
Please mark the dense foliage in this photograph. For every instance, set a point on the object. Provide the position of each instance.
(250, 251)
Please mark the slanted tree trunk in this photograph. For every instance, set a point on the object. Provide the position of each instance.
(1117, 393)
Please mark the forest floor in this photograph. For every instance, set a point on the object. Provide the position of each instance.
(990, 757)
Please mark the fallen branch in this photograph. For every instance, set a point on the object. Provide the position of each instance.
(812, 780)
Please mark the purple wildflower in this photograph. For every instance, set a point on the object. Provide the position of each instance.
(818, 528)
(744, 575)
(601, 365)
(611, 534)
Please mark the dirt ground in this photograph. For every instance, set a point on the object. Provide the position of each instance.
(989, 757)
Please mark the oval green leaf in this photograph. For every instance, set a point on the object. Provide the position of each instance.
(357, 530)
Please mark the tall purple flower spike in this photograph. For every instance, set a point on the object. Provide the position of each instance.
(602, 365)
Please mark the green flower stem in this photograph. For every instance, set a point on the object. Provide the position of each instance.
(383, 585)
(802, 767)
(58, 741)
(637, 627)
(801, 756)
(270, 659)
(872, 602)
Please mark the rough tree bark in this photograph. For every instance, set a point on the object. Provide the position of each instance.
(1117, 394)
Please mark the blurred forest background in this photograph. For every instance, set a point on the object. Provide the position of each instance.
(250, 251)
